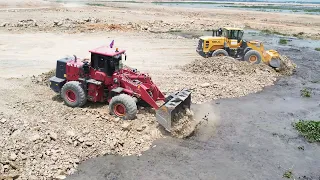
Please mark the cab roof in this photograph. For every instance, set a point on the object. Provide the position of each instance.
(209, 37)
(232, 28)
(107, 51)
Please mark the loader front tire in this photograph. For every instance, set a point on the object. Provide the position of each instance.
(220, 52)
(123, 106)
(73, 94)
(253, 57)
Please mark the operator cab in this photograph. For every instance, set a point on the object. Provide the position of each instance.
(106, 59)
(233, 33)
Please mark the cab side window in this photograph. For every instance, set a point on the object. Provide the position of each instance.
(101, 62)
(98, 62)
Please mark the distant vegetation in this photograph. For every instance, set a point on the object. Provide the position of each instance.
(283, 41)
(95, 4)
(267, 31)
(309, 129)
(305, 92)
(317, 49)
(312, 10)
(288, 174)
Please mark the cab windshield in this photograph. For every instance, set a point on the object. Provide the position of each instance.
(233, 34)
(118, 61)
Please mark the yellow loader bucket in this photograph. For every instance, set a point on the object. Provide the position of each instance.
(176, 103)
(273, 58)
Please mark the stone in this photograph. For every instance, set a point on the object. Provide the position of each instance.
(23, 157)
(35, 137)
(145, 28)
(126, 125)
(189, 113)
(13, 156)
(76, 160)
(72, 171)
(71, 133)
(53, 136)
(75, 143)
(4, 24)
(81, 140)
(205, 85)
(116, 119)
(6, 167)
(142, 127)
(14, 166)
(3, 120)
(61, 177)
(54, 158)
(88, 143)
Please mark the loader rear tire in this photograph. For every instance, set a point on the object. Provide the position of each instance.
(73, 94)
(220, 52)
(253, 57)
(123, 106)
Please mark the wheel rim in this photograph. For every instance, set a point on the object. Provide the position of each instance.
(253, 58)
(71, 96)
(119, 110)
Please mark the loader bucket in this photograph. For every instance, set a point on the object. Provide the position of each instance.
(274, 58)
(275, 62)
(176, 103)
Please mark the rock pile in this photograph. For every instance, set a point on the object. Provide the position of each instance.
(22, 23)
(287, 66)
(43, 79)
(217, 77)
(225, 66)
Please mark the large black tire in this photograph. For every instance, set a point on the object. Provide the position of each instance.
(220, 52)
(123, 106)
(253, 57)
(73, 94)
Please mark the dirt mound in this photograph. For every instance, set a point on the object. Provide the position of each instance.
(287, 66)
(224, 66)
(218, 77)
(43, 79)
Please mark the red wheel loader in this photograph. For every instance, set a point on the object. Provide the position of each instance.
(105, 79)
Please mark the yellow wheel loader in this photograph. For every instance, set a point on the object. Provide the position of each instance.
(228, 42)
